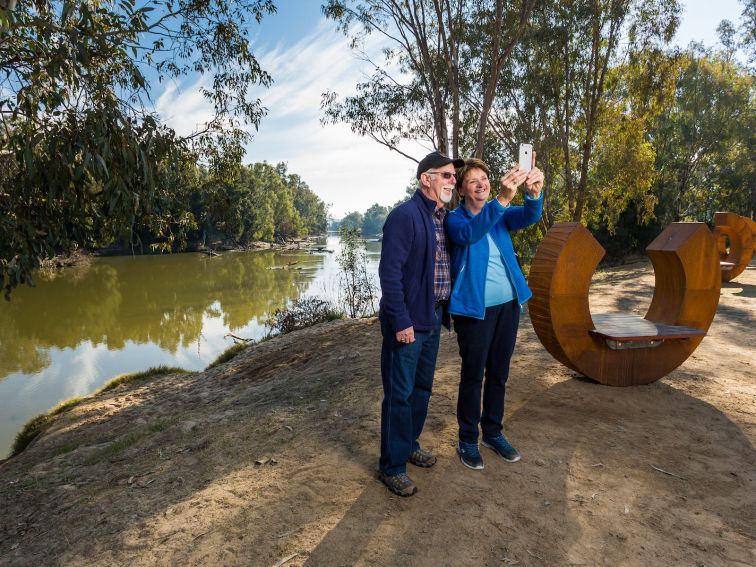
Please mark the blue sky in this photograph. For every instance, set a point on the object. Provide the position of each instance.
(306, 57)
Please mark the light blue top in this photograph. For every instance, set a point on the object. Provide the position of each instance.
(498, 283)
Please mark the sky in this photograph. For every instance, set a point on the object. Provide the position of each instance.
(306, 56)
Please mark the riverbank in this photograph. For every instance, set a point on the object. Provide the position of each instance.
(272, 456)
(81, 257)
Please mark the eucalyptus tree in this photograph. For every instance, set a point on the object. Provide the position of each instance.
(86, 155)
(583, 84)
(428, 82)
(704, 140)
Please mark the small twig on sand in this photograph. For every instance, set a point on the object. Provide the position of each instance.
(534, 554)
(667, 472)
(200, 535)
(597, 465)
(286, 560)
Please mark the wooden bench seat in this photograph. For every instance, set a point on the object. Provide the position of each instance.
(726, 265)
(623, 327)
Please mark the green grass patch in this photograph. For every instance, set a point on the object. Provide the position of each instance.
(131, 439)
(228, 354)
(39, 424)
(134, 376)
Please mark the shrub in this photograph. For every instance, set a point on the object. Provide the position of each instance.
(300, 314)
(357, 287)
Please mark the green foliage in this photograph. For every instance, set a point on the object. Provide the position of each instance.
(375, 216)
(705, 140)
(353, 220)
(357, 287)
(262, 202)
(625, 128)
(144, 375)
(39, 424)
(89, 160)
(301, 314)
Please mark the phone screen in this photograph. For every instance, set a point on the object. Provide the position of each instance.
(526, 156)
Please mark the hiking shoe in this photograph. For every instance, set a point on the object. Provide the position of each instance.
(501, 447)
(469, 455)
(398, 484)
(422, 458)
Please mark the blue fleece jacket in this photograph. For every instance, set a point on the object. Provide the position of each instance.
(469, 249)
(406, 270)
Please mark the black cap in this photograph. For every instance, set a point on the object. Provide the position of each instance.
(436, 159)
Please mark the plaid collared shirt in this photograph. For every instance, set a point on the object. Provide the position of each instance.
(442, 273)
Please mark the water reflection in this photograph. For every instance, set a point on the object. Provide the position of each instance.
(67, 336)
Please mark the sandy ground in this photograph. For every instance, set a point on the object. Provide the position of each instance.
(166, 472)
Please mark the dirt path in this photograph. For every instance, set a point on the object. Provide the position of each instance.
(165, 472)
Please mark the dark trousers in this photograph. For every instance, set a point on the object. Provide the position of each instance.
(407, 372)
(485, 348)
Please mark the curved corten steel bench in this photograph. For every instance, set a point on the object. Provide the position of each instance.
(620, 349)
(739, 232)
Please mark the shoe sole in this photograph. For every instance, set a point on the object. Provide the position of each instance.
(507, 459)
(462, 460)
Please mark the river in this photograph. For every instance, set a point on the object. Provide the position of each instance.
(75, 331)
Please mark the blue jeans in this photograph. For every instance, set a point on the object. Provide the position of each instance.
(407, 372)
(485, 348)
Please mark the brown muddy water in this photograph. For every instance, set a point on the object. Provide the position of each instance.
(75, 331)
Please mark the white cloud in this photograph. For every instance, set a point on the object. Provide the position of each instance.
(349, 171)
(184, 109)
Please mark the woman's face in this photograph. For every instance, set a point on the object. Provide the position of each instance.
(475, 188)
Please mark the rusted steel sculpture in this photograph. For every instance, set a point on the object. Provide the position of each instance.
(620, 349)
(752, 224)
(736, 229)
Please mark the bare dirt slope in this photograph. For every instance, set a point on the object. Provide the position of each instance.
(165, 472)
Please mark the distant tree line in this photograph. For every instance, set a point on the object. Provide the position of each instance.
(259, 202)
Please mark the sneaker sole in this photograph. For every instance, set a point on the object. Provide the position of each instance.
(462, 460)
(507, 459)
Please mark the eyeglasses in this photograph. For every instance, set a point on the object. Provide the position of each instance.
(445, 174)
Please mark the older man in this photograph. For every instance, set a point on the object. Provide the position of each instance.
(415, 284)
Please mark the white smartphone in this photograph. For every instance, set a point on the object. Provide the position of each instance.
(526, 156)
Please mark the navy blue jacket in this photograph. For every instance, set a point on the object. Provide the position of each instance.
(408, 262)
(469, 250)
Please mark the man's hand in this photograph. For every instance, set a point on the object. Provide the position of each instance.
(406, 336)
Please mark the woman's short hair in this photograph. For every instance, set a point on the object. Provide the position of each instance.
(470, 164)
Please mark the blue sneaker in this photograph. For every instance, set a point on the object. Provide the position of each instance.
(501, 447)
(469, 455)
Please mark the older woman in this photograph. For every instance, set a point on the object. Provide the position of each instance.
(488, 288)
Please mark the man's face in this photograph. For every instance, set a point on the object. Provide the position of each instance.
(438, 184)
